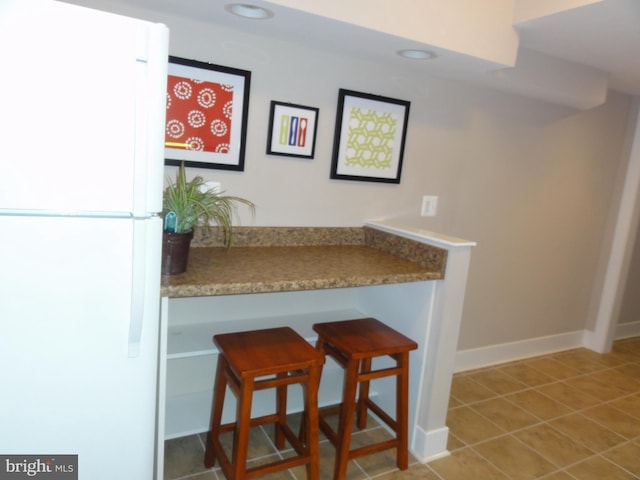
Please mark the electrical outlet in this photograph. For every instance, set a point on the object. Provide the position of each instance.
(429, 206)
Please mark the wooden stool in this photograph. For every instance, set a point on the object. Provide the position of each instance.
(353, 344)
(284, 358)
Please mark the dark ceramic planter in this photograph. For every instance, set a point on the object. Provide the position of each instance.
(175, 252)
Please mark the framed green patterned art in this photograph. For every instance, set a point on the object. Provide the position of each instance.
(369, 137)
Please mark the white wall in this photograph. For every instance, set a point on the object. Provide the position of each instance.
(627, 306)
(532, 183)
(630, 308)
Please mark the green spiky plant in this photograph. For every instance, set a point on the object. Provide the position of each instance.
(194, 204)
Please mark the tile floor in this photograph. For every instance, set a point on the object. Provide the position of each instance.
(572, 415)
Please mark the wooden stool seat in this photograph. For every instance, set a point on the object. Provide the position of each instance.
(257, 360)
(354, 344)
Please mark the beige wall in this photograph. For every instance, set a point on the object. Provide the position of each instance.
(532, 183)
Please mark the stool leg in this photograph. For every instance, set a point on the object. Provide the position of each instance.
(310, 421)
(346, 419)
(216, 414)
(304, 421)
(320, 344)
(242, 429)
(402, 406)
(363, 395)
(281, 410)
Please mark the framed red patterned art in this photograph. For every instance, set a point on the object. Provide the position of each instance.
(207, 109)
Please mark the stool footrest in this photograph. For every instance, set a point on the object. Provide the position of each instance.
(276, 466)
(325, 428)
(260, 470)
(293, 439)
(264, 420)
(375, 448)
(332, 436)
(298, 377)
(372, 375)
(375, 408)
(329, 410)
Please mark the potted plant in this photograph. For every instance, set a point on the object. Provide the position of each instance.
(186, 204)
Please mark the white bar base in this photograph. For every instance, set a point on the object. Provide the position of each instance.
(431, 445)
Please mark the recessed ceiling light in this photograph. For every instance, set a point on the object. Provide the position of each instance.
(246, 10)
(416, 54)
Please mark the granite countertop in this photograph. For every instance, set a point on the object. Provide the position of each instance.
(251, 268)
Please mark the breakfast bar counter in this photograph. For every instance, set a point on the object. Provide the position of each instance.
(277, 259)
(240, 270)
(410, 279)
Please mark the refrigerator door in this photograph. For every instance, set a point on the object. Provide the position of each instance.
(70, 385)
(82, 119)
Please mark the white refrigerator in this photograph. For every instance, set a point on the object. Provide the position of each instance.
(82, 102)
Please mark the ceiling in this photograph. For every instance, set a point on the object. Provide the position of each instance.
(604, 35)
(564, 51)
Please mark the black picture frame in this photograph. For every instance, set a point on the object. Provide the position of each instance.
(292, 130)
(369, 137)
(207, 112)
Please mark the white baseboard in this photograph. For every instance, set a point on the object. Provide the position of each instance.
(430, 445)
(509, 352)
(626, 330)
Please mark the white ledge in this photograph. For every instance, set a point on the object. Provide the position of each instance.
(424, 236)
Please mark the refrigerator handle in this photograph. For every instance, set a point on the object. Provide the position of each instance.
(138, 288)
(151, 96)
